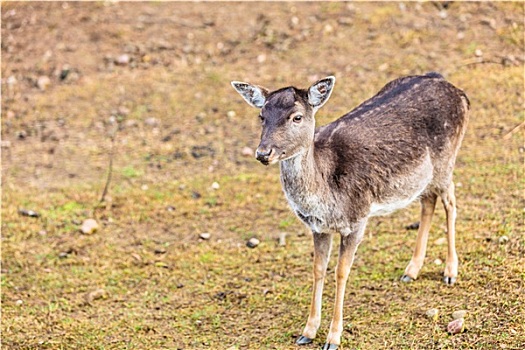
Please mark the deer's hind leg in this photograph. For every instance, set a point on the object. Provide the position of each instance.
(428, 204)
(448, 198)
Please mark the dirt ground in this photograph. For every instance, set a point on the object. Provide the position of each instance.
(137, 96)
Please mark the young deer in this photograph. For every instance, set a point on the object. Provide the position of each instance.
(398, 146)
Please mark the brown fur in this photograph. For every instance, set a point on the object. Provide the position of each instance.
(397, 146)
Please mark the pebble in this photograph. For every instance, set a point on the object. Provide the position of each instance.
(19, 302)
(231, 114)
(459, 314)
(122, 60)
(5, 144)
(440, 241)
(151, 121)
(432, 313)
(282, 239)
(503, 239)
(43, 82)
(253, 242)
(215, 185)
(89, 226)
(247, 152)
(413, 226)
(123, 110)
(456, 326)
(205, 236)
(438, 261)
(131, 123)
(30, 213)
(94, 295)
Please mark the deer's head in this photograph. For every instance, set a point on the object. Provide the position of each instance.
(287, 117)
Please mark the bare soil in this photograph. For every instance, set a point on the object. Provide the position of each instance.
(145, 87)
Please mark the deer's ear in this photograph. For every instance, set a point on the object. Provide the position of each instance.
(253, 94)
(320, 92)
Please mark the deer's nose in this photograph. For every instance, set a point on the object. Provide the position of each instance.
(263, 155)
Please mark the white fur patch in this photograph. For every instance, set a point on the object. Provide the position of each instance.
(410, 188)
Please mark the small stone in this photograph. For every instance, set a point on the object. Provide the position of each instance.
(160, 250)
(432, 314)
(130, 123)
(346, 21)
(11, 80)
(413, 226)
(151, 121)
(383, 67)
(443, 14)
(247, 152)
(89, 226)
(122, 110)
(95, 295)
(438, 261)
(144, 187)
(205, 236)
(456, 326)
(261, 58)
(478, 53)
(503, 239)
(42, 232)
(19, 302)
(30, 213)
(440, 241)
(122, 60)
(43, 82)
(215, 186)
(22, 134)
(459, 314)
(231, 114)
(5, 144)
(253, 242)
(170, 208)
(282, 239)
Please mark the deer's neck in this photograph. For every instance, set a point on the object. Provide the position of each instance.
(301, 174)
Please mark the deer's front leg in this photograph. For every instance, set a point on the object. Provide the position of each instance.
(322, 247)
(347, 249)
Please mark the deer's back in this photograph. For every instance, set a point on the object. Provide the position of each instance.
(412, 121)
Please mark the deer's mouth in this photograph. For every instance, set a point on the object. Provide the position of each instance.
(271, 157)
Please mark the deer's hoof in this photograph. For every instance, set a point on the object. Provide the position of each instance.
(449, 280)
(302, 340)
(329, 346)
(406, 279)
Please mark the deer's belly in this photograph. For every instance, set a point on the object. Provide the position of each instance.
(405, 190)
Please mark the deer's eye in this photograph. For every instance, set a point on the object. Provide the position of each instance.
(298, 118)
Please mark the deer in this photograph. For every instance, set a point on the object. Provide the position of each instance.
(397, 147)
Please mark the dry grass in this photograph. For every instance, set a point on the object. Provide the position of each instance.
(145, 280)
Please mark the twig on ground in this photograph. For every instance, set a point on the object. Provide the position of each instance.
(513, 131)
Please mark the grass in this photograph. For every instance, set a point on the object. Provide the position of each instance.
(163, 286)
